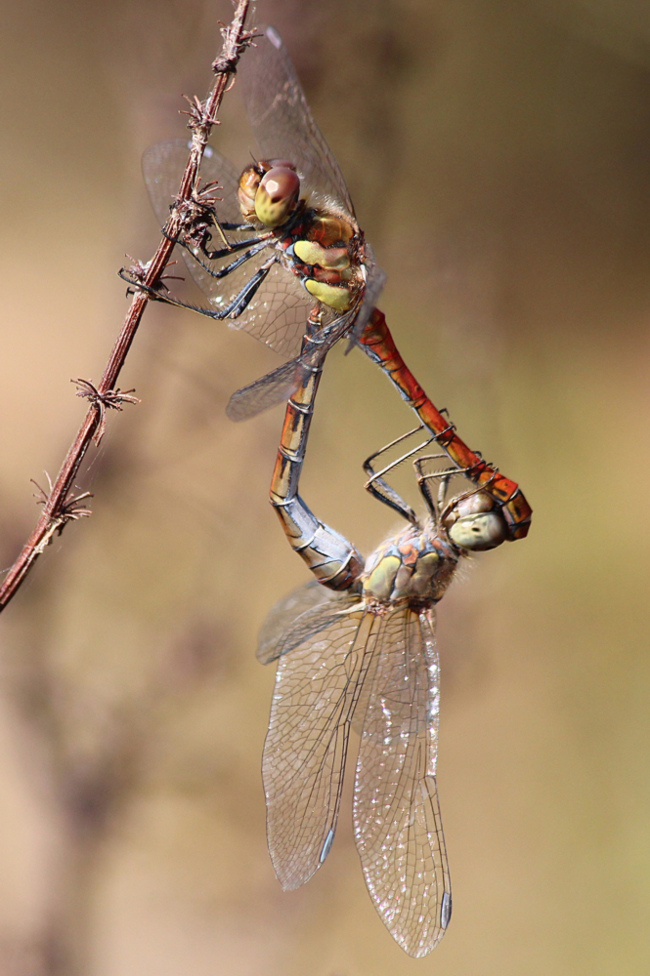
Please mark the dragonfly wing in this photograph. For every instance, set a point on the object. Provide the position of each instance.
(306, 745)
(270, 390)
(278, 312)
(282, 121)
(163, 165)
(375, 280)
(278, 385)
(397, 821)
(306, 612)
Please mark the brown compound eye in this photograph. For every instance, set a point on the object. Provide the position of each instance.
(268, 164)
(249, 183)
(277, 196)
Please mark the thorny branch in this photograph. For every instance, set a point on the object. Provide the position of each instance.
(110, 400)
(59, 506)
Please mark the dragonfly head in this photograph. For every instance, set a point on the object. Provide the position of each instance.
(269, 192)
(474, 522)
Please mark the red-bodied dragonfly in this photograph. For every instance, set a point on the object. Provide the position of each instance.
(356, 648)
(293, 240)
(294, 247)
(329, 556)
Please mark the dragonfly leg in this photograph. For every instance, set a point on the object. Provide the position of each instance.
(241, 301)
(198, 236)
(435, 506)
(232, 310)
(254, 245)
(379, 487)
(333, 560)
(378, 344)
(229, 225)
(440, 507)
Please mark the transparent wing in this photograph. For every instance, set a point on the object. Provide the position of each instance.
(397, 821)
(375, 280)
(306, 612)
(278, 385)
(163, 165)
(279, 310)
(282, 122)
(306, 745)
(268, 391)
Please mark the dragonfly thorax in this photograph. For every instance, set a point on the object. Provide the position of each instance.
(326, 252)
(415, 567)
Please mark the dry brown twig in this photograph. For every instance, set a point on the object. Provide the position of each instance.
(59, 506)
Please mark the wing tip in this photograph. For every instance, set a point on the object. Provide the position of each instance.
(273, 36)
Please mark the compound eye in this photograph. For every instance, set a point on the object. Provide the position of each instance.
(276, 164)
(277, 196)
(478, 501)
(249, 183)
(486, 530)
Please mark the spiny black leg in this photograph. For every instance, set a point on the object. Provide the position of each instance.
(380, 488)
(234, 308)
(228, 225)
(241, 301)
(258, 245)
(435, 506)
(222, 252)
(425, 488)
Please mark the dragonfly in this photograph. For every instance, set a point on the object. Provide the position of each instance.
(294, 253)
(293, 238)
(330, 557)
(356, 649)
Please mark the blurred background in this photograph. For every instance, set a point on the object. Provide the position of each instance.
(498, 158)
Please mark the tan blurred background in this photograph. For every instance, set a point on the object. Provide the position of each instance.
(498, 156)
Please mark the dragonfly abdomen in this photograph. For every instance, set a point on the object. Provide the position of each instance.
(331, 558)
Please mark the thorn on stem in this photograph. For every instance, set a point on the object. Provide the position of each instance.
(198, 116)
(110, 400)
(70, 510)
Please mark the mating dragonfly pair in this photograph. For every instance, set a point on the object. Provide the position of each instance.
(356, 647)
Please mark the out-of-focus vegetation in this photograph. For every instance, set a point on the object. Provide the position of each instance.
(498, 159)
